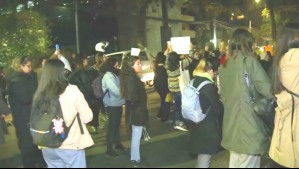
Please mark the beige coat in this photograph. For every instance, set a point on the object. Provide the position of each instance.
(283, 150)
(72, 102)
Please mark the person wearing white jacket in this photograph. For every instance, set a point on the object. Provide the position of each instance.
(113, 103)
(53, 84)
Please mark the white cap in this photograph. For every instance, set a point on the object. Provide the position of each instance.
(66, 63)
(100, 47)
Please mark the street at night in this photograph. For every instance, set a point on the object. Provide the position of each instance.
(220, 76)
(166, 149)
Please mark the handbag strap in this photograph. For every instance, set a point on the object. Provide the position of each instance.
(247, 79)
(293, 109)
(79, 122)
(292, 93)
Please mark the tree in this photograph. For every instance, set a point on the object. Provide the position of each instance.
(23, 34)
(207, 10)
(270, 6)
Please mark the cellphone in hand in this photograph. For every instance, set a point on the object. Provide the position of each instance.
(57, 46)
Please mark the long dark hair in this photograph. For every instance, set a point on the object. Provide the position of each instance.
(289, 38)
(53, 81)
(240, 44)
(173, 61)
(126, 70)
(108, 66)
(160, 59)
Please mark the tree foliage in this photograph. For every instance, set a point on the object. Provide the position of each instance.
(23, 34)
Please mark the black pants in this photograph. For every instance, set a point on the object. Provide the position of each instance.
(164, 110)
(113, 134)
(31, 156)
(94, 106)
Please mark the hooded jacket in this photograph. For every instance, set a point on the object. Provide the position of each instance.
(284, 147)
(243, 131)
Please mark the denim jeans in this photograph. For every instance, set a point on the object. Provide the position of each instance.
(135, 142)
(62, 158)
(178, 117)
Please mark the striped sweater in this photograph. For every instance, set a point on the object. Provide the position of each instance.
(173, 76)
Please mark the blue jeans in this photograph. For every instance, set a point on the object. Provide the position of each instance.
(135, 142)
(62, 158)
(178, 117)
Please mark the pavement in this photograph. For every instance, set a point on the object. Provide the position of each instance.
(166, 149)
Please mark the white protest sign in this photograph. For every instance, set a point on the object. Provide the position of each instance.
(181, 45)
(135, 51)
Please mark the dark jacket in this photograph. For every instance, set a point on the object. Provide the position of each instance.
(137, 100)
(83, 78)
(160, 80)
(21, 89)
(205, 137)
(3, 110)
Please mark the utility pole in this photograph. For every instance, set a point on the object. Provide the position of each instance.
(77, 27)
(215, 33)
(165, 29)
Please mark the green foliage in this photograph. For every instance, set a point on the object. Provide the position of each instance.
(23, 34)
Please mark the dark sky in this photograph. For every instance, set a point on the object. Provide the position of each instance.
(94, 26)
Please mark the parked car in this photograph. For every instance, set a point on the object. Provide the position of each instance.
(147, 74)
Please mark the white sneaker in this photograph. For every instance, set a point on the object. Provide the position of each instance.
(180, 127)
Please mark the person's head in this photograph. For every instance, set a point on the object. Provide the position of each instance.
(25, 64)
(100, 59)
(241, 43)
(110, 65)
(53, 81)
(131, 66)
(91, 60)
(288, 39)
(207, 48)
(39, 62)
(81, 60)
(207, 65)
(160, 58)
(173, 61)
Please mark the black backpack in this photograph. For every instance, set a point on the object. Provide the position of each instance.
(47, 125)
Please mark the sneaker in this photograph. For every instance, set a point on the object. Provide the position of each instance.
(139, 164)
(120, 147)
(181, 127)
(111, 154)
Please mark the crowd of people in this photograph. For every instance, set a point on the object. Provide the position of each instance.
(231, 122)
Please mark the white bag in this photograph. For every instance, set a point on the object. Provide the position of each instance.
(184, 78)
(191, 108)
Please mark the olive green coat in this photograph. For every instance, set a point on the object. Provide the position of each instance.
(243, 131)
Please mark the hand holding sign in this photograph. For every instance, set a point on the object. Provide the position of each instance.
(181, 45)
